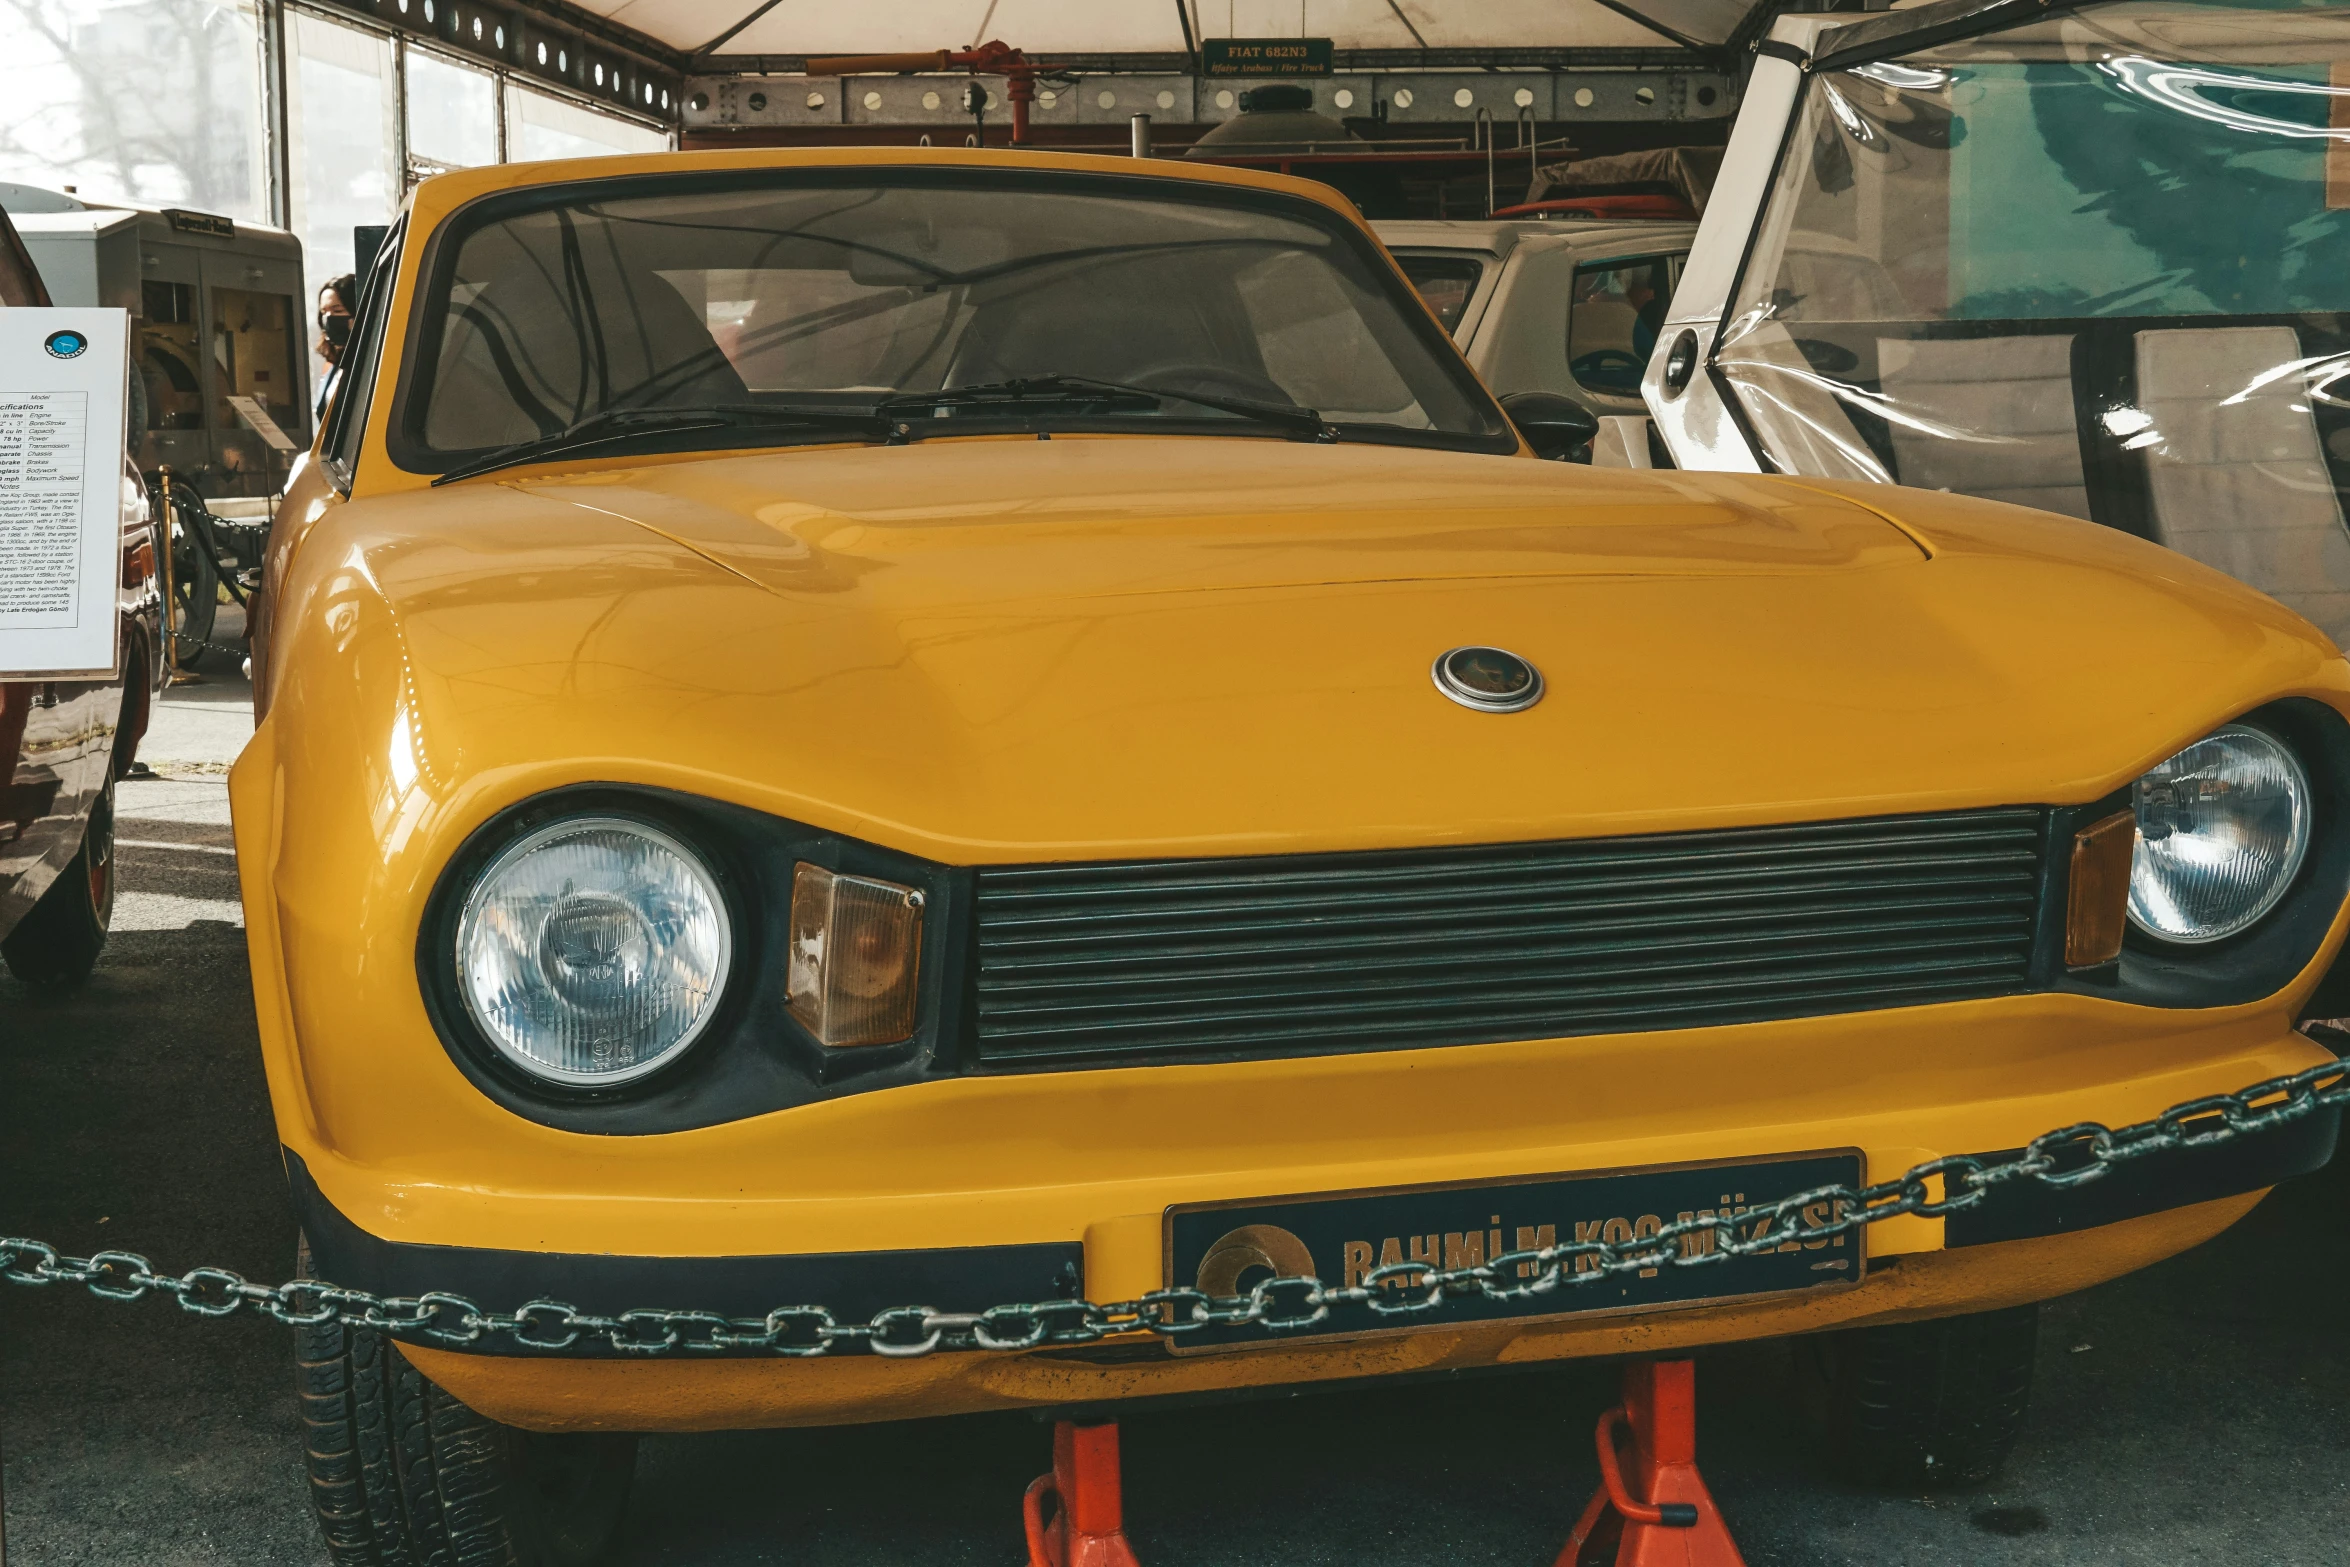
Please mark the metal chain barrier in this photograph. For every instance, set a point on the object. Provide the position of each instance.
(202, 530)
(201, 645)
(1393, 1292)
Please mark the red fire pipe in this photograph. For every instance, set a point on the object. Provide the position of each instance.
(993, 58)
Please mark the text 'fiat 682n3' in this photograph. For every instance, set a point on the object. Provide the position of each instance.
(879, 728)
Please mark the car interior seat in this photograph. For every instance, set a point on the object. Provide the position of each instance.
(509, 367)
(2236, 476)
(1988, 416)
(1086, 323)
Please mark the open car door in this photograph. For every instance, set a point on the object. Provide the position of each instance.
(2092, 258)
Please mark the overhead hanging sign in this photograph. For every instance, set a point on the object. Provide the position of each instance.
(183, 221)
(62, 378)
(1265, 56)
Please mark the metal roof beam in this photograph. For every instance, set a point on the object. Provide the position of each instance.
(551, 41)
(1537, 58)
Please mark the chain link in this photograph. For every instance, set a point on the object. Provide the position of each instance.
(2062, 1159)
(201, 529)
(202, 645)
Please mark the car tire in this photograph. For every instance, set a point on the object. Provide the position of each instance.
(1922, 1404)
(57, 943)
(403, 1475)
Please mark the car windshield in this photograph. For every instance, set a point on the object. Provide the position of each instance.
(838, 290)
(2099, 265)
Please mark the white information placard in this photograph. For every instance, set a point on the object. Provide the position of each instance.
(61, 449)
(258, 421)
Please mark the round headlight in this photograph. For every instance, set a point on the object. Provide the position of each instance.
(2222, 829)
(593, 951)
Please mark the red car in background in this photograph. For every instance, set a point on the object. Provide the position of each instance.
(63, 745)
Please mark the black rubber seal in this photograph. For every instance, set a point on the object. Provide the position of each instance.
(2023, 1209)
(853, 1285)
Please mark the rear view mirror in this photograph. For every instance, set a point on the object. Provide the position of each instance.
(1559, 428)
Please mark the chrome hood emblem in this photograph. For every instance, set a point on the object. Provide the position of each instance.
(1488, 679)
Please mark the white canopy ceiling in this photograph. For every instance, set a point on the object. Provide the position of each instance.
(803, 27)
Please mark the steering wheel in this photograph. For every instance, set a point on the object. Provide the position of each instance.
(1216, 380)
(1605, 363)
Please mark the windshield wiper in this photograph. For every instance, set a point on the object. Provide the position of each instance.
(622, 424)
(1304, 423)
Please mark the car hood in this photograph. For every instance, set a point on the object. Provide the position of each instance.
(970, 522)
(996, 650)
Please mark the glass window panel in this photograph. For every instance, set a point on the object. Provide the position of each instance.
(452, 113)
(355, 387)
(1618, 310)
(155, 101)
(1310, 337)
(539, 125)
(2098, 265)
(1447, 283)
(253, 356)
(694, 298)
(339, 103)
(167, 358)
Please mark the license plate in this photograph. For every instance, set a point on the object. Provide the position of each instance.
(1227, 1247)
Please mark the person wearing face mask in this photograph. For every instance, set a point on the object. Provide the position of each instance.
(335, 299)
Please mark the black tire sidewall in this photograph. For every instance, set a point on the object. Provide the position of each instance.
(1937, 1404)
(59, 939)
(402, 1474)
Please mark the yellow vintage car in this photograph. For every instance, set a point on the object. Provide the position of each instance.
(873, 728)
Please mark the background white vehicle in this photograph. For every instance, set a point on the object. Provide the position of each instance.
(2091, 258)
(1546, 306)
(216, 312)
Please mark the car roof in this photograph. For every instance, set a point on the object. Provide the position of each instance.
(1498, 238)
(435, 198)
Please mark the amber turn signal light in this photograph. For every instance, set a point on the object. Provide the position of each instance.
(2097, 904)
(856, 951)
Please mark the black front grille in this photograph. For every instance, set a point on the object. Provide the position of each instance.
(1388, 950)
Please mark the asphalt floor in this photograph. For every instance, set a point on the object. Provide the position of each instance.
(2196, 1412)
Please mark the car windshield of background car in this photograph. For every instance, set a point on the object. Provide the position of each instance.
(828, 295)
(1619, 308)
(2095, 266)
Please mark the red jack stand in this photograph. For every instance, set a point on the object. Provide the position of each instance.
(1678, 1525)
(1089, 1529)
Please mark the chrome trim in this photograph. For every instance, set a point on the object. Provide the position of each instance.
(1469, 697)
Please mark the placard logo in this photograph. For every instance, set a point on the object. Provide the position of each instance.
(1252, 1247)
(66, 345)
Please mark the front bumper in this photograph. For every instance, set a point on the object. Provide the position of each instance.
(967, 1198)
(672, 1394)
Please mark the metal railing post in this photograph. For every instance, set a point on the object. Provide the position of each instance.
(1482, 127)
(171, 641)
